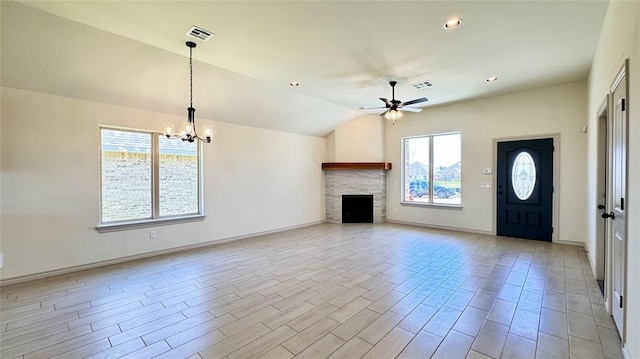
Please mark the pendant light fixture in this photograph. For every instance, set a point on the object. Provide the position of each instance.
(188, 132)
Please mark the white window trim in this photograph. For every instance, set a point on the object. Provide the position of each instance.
(402, 174)
(144, 223)
(156, 220)
(434, 205)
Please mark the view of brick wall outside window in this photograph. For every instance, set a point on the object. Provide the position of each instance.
(178, 184)
(127, 176)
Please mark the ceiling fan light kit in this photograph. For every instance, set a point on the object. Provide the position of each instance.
(188, 132)
(393, 116)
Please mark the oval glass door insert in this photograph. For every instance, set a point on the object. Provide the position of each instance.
(523, 175)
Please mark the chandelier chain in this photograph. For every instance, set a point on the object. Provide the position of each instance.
(191, 76)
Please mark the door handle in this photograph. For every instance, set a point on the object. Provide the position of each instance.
(601, 206)
(606, 215)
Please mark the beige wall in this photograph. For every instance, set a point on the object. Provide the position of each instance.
(546, 111)
(361, 140)
(331, 147)
(619, 39)
(255, 180)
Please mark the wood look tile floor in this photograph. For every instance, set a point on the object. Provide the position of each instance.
(326, 291)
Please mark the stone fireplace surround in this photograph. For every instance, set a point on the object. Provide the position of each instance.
(356, 178)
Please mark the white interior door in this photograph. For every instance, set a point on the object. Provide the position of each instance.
(619, 184)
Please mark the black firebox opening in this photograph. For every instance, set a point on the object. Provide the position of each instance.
(357, 208)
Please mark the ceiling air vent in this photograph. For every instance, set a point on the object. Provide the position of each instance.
(199, 33)
(422, 85)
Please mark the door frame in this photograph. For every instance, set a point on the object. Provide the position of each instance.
(603, 230)
(556, 177)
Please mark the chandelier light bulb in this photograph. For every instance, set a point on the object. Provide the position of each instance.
(168, 129)
(208, 131)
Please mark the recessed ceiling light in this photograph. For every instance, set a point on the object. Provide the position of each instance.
(453, 23)
(294, 84)
(491, 79)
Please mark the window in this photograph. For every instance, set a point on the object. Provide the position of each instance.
(432, 159)
(147, 177)
(179, 185)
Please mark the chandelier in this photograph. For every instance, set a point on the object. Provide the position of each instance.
(188, 132)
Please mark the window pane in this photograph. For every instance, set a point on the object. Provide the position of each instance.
(523, 175)
(446, 169)
(126, 175)
(416, 169)
(178, 177)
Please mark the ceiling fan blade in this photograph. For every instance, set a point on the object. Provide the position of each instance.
(370, 108)
(389, 104)
(384, 113)
(411, 109)
(418, 100)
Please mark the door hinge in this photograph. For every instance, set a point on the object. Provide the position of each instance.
(622, 204)
(551, 229)
(623, 104)
(621, 301)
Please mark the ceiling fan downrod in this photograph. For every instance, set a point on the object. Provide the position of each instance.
(393, 90)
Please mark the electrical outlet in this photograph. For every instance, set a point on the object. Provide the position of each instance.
(152, 234)
(468, 216)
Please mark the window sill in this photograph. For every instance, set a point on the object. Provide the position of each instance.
(433, 205)
(123, 226)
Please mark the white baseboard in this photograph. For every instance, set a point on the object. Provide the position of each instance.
(104, 263)
(591, 263)
(571, 243)
(439, 227)
(625, 352)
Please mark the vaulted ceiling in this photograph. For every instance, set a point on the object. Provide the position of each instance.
(343, 53)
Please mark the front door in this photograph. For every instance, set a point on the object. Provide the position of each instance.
(525, 189)
(617, 214)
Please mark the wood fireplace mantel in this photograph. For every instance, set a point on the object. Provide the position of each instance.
(356, 166)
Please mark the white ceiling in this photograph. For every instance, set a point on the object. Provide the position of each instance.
(343, 53)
